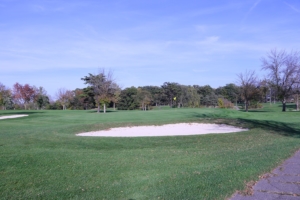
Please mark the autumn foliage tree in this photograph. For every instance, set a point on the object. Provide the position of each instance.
(23, 93)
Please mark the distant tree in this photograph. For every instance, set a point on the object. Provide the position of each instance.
(116, 90)
(64, 97)
(144, 98)
(296, 93)
(264, 88)
(23, 93)
(230, 92)
(210, 100)
(224, 103)
(204, 90)
(41, 98)
(172, 91)
(249, 89)
(102, 88)
(284, 72)
(128, 99)
(5, 97)
(157, 94)
(193, 97)
(88, 98)
(77, 102)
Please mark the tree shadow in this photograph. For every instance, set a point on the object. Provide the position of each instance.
(101, 112)
(281, 128)
(255, 111)
(285, 129)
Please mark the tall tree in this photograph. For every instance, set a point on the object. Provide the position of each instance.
(284, 72)
(102, 88)
(248, 84)
(172, 91)
(23, 93)
(128, 100)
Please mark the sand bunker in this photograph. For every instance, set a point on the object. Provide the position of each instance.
(164, 130)
(12, 116)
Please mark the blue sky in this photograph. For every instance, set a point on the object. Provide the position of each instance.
(54, 43)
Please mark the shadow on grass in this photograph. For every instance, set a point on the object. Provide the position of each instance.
(278, 127)
(255, 111)
(286, 129)
(107, 111)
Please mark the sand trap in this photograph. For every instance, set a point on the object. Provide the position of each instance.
(12, 116)
(164, 130)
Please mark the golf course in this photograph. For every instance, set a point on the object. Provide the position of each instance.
(42, 158)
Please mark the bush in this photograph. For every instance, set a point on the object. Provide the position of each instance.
(224, 103)
(255, 105)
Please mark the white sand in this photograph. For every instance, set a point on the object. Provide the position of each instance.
(12, 116)
(164, 130)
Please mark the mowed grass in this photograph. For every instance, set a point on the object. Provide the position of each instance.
(41, 158)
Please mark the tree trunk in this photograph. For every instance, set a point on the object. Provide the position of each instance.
(114, 106)
(246, 106)
(297, 102)
(104, 108)
(98, 109)
(283, 105)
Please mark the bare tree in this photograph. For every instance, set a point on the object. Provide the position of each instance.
(283, 71)
(248, 82)
(64, 97)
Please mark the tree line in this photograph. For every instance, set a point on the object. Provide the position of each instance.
(281, 84)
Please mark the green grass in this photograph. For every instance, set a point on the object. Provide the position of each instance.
(41, 158)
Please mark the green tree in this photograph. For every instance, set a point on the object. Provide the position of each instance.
(229, 91)
(157, 95)
(102, 88)
(128, 100)
(5, 97)
(116, 89)
(193, 97)
(144, 98)
(41, 98)
(172, 92)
